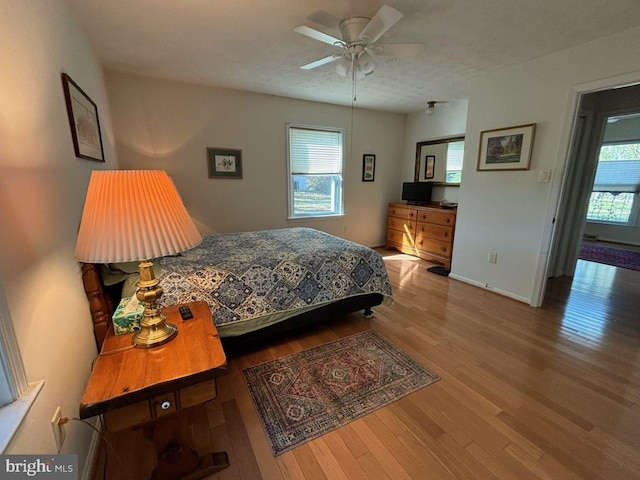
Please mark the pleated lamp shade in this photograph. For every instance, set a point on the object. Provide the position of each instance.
(132, 215)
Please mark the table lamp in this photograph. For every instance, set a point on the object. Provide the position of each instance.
(136, 215)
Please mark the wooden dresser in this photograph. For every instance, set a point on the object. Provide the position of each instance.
(425, 231)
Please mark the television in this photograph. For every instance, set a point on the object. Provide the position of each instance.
(417, 192)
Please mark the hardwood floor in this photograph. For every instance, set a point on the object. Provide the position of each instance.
(525, 393)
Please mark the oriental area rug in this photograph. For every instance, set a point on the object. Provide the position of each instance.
(610, 256)
(302, 396)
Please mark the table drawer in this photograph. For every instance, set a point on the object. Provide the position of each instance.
(159, 406)
(431, 245)
(128, 416)
(438, 232)
(440, 218)
(198, 393)
(401, 212)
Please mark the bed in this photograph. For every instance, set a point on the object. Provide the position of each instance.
(259, 283)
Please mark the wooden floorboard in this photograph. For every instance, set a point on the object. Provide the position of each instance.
(525, 393)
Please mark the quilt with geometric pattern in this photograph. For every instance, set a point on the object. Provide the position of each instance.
(249, 275)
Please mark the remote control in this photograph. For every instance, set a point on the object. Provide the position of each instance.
(185, 312)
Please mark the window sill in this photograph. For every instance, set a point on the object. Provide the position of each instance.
(11, 415)
(315, 217)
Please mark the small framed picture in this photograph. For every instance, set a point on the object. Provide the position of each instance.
(429, 166)
(368, 167)
(224, 163)
(84, 121)
(506, 148)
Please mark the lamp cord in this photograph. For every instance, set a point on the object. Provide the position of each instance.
(103, 439)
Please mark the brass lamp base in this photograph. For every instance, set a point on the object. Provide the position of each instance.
(154, 335)
(154, 329)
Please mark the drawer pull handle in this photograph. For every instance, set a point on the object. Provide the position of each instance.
(165, 405)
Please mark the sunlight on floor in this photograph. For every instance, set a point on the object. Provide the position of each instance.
(407, 265)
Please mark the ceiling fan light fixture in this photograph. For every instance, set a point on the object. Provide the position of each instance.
(431, 108)
(366, 63)
(343, 66)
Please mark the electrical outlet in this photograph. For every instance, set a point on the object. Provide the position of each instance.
(59, 432)
(493, 257)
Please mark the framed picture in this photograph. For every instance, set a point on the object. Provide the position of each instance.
(84, 121)
(506, 148)
(429, 166)
(224, 163)
(368, 167)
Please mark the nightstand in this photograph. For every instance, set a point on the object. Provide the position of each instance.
(152, 388)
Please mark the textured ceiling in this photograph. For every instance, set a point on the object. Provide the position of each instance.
(251, 44)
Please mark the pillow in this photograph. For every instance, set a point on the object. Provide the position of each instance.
(127, 273)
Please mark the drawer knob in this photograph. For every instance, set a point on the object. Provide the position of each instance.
(165, 405)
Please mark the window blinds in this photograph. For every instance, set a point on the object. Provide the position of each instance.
(314, 151)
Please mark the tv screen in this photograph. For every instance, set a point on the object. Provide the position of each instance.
(417, 192)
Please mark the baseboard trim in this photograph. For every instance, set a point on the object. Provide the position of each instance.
(93, 450)
(490, 288)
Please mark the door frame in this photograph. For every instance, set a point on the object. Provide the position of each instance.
(567, 140)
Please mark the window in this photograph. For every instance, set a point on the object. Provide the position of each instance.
(455, 154)
(614, 197)
(16, 396)
(315, 171)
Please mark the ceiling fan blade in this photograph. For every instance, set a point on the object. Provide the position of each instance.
(401, 50)
(322, 61)
(386, 18)
(325, 19)
(318, 35)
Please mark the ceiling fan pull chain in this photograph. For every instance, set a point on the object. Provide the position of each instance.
(353, 77)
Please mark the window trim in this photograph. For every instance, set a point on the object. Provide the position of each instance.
(12, 370)
(290, 204)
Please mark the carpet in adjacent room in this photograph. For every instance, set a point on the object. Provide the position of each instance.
(610, 256)
(307, 394)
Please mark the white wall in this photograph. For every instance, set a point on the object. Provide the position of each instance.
(42, 189)
(510, 212)
(168, 125)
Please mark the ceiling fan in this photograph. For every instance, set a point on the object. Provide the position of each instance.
(359, 47)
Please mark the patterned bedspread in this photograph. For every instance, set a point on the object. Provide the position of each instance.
(248, 275)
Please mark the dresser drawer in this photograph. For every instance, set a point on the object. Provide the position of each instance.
(401, 224)
(431, 245)
(401, 212)
(399, 239)
(431, 230)
(440, 218)
(159, 406)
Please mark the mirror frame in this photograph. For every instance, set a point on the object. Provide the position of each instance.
(419, 145)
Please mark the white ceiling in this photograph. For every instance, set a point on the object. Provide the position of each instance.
(250, 44)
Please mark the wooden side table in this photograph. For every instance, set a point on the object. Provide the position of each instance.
(151, 388)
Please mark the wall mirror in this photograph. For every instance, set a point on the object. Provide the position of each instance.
(440, 161)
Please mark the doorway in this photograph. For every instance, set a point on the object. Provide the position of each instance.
(597, 115)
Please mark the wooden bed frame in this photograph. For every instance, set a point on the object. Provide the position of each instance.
(103, 300)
